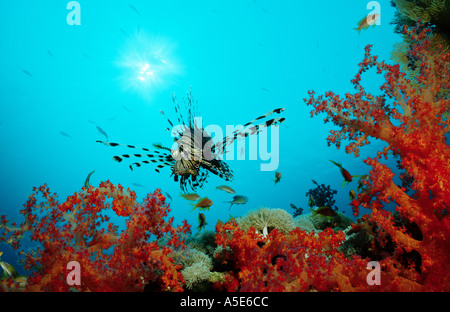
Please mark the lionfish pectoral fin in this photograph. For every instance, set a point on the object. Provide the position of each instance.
(247, 129)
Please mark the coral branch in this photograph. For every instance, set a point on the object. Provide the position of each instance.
(415, 134)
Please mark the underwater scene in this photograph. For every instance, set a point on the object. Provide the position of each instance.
(225, 146)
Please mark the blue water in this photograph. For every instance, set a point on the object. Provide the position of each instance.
(242, 58)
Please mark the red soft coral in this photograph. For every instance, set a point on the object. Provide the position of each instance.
(110, 260)
(411, 116)
(297, 261)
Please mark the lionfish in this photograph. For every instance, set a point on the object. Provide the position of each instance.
(188, 161)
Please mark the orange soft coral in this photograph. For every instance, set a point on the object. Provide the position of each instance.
(110, 260)
(411, 116)
(297, 261)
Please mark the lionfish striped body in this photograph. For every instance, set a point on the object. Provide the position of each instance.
(188, 162)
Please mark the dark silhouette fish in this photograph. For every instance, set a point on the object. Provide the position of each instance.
(238, 200)
(134, 9)
(168, 196)
(127, 109)
(265, 89)
(26, 72)
(137, 184)
(102, 132)
(123, 32)
(65, 134)
(201, 222)
(51, 54)
(87, 56)
(86, 182)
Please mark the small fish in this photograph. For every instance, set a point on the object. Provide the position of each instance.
(137, 184)
(14, 238)
(87, 57)
(367, 21)
(297, 209)
(265, 89)
(277, 177)
(220, 223)
(168, 196)
(134, 9)
(21, 281)
(112, 118)
(324, 211)
(361, 180)
(92, 122)
(238, 200)
(347, 176)
(352, 194)
(8, 270)
(51, 54)
(102, 132)
(127, 109)
(311, 201)
(86, 182)
(201, 221)
(26, 72)
(190, 196)
(226, 189)
(203, 204)
(65, 134)
(123, 32)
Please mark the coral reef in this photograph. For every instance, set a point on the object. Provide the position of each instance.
(197, 276)
(264, 220)
(319, 196)
(196, 269)
(435, 14)
(303, 222)
(267, 249)
(410, 118)
(79, 230)
(338, 222)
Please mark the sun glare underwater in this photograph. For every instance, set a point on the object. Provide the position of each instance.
(211, 146)
(148, 63)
